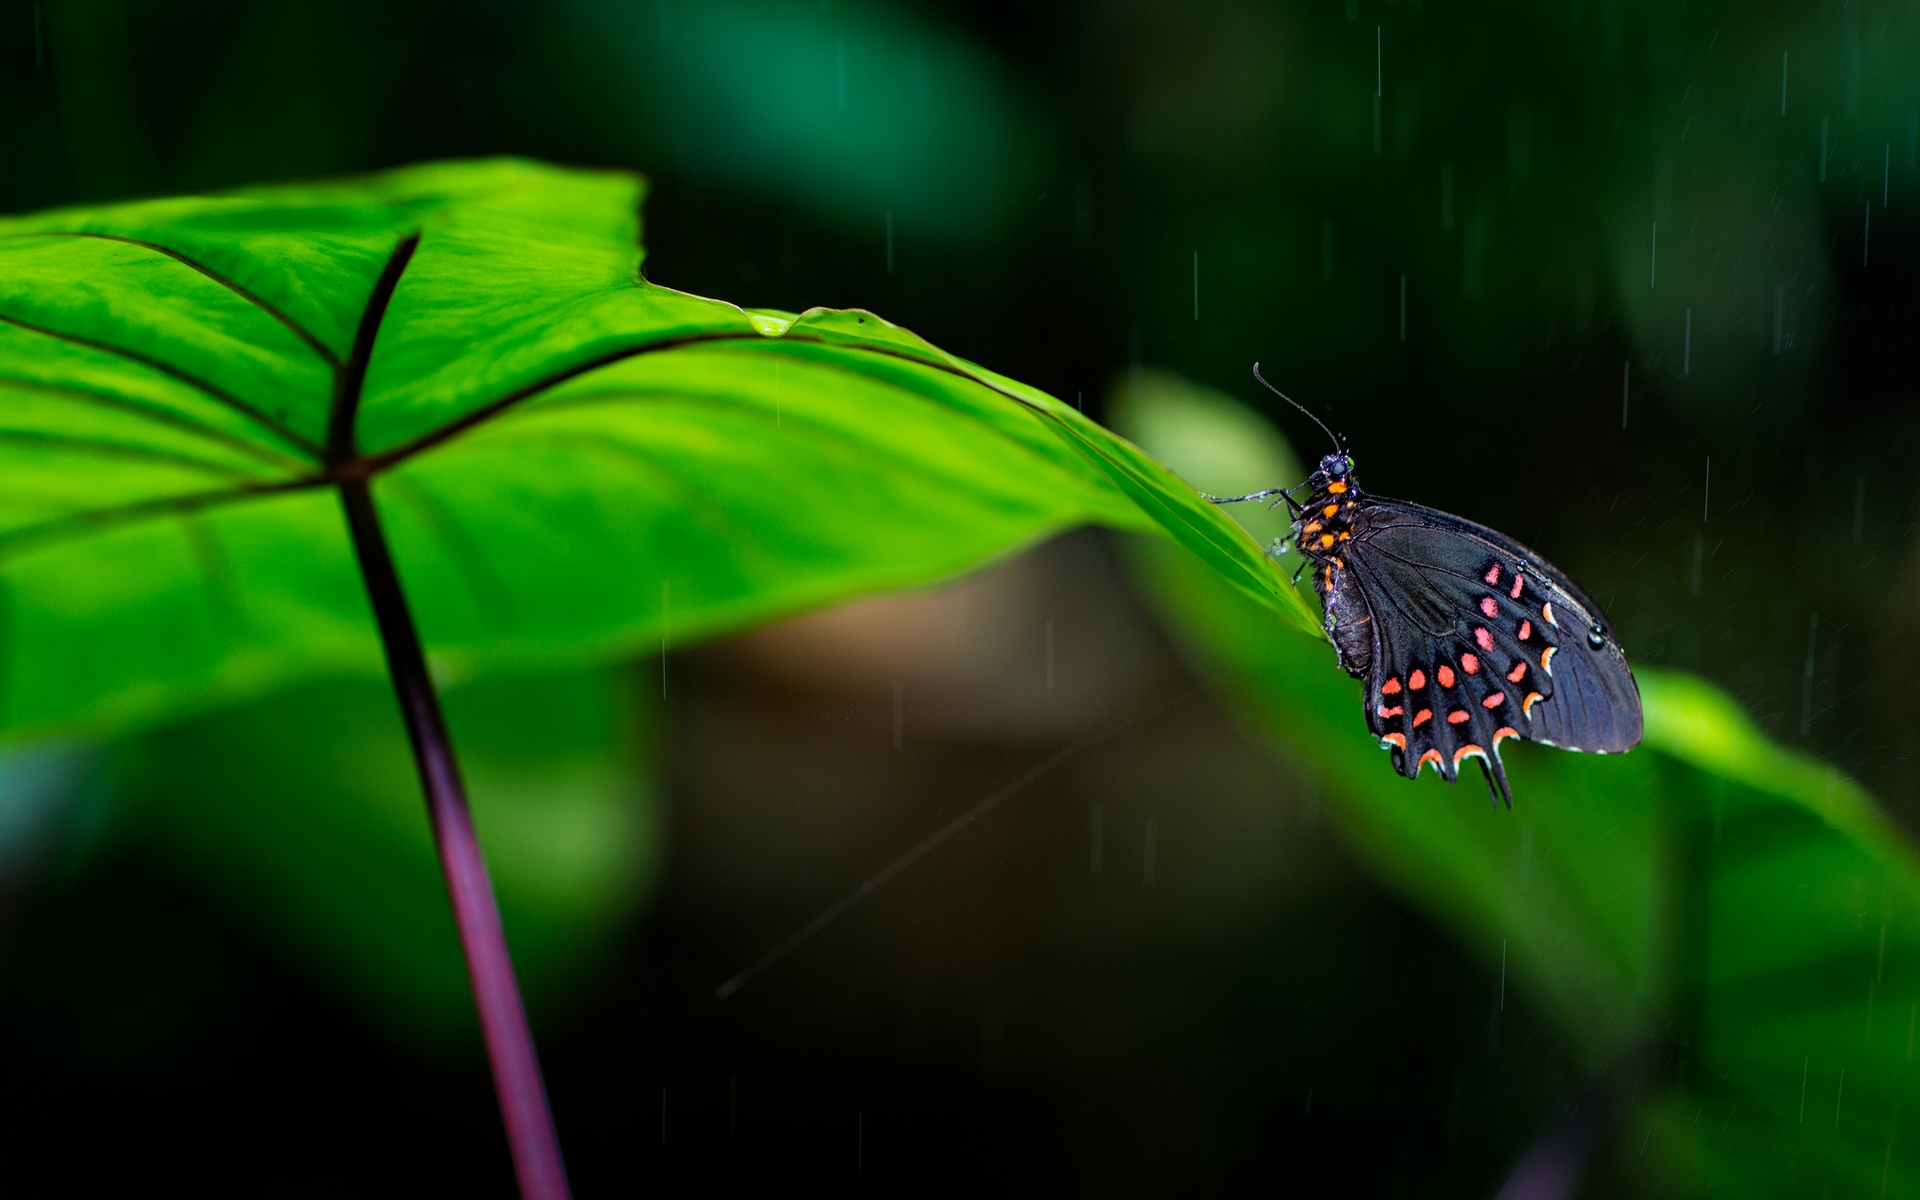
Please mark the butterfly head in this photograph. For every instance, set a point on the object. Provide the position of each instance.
(1335, 468)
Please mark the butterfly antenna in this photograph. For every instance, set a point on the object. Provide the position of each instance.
(1337, 448)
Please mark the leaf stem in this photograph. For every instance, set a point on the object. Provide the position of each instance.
(503, 1019)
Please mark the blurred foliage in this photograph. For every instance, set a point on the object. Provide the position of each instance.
(303, 811)
(1741, 916)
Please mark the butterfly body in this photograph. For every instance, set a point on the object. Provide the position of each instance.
(1463, 637)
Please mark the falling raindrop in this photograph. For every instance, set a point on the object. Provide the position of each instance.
(1093, 859)
(840, 73)
(1378, 77)
(1806, 680)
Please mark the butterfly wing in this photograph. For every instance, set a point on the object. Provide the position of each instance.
(1478, 639)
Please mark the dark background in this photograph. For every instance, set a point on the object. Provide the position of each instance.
(1570, 198)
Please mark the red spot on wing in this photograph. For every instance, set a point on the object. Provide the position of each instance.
(1465, 750)
(1502, 733)
(1391, 687)
(1519, 670)
(1431, 756)
(1422, 717)
(1417, 680)
(1526, 630)
(1489, 607)
(1517, 580)
(1469, 664)
(1458, 716)
(1493, 574)
(1445, 675)
(1398, 739)
(1484, 638)
(1386, 712)
(1494, 701)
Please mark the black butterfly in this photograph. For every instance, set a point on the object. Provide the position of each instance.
(1465, 637)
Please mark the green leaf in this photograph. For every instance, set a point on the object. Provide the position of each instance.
(573, 464)
(1743, 905)
(302, 812)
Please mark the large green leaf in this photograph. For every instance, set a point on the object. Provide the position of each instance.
(302, 811)
(1742, 906)
(572, 463)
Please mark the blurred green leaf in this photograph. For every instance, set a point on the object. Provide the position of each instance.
(1741, 904)
(851, 109)
(572, 464)
(302, 811)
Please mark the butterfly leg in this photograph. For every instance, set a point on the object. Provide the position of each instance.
(1261, 495)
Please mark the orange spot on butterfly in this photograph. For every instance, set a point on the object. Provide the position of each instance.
(1326, 540)
(1422, 717)
(1465, 750)
(1312, 527)
(1336, 488)
(1431, 756)
(1445, 675)
(1469, 664)
(1493, 574)
(1526, 706)
(1398, 739)
(1488, 607)
(1502, 733)
(1494, 701)
(1518, 579)
(1526, 630)
(1417, 680)
(1515, 675)
(1391, 687)
(1386, 712)
(1458, 716)
(1546, 613)
(1484, 638)
(1329, 510)
(1546, 659)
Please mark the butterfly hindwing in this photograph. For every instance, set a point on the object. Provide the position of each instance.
(1478, 639)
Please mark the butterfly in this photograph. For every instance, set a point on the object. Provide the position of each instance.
(1464, 637)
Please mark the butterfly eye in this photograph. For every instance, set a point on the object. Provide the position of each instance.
(1596, 635)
